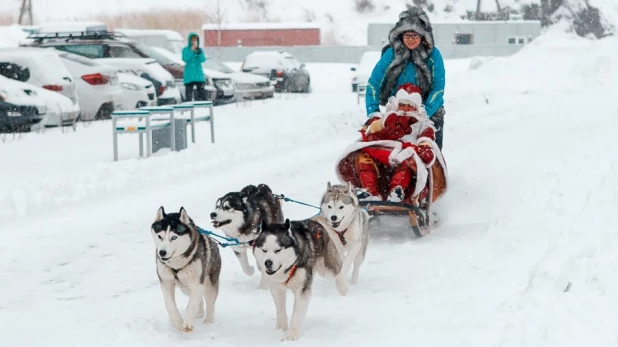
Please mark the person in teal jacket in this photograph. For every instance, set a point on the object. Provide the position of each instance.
(410, 57)
(193, 56)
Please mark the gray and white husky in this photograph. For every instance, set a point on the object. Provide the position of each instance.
(350, 223)
(240, 214)
(290, 254)
(189, 260)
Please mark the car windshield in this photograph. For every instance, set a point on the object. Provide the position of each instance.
(217, 66)
(264, 61)
(160, 58)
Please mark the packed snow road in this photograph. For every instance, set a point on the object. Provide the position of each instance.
(524, 256)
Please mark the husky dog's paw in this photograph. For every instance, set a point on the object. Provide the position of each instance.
(200, 313)
(342, 285)
(291, 335)
(209, 320)
(187, 327)
(249, 271)
(354, 280)
(283, 325)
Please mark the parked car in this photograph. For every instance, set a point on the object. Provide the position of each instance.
(58, 108)
(226, 93)
(288, 74)
(44, 69)
(167, 39)
(97, 86)
(116, 51)
(247, 85)
(20, 106)
(175, 66)
(362, 73)
(137, 92)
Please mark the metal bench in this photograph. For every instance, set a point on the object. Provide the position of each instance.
(144, 125)
(361, 89)
(209, 118)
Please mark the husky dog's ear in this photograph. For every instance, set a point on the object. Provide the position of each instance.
(287, 226)
(160, 214)
(328, 186)
(263, 225)
(349, 186)
(184, 217)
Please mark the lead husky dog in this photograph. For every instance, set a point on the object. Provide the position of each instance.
(240, 214)
(350, 223)
(189, 260)
(289, 254)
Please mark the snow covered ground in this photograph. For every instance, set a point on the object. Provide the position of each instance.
(525, 254)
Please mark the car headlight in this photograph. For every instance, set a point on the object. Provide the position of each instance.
(130, 86)
(41, 109)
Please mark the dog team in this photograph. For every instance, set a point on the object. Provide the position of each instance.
(288, 253)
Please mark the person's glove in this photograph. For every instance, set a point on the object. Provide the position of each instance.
(425, 152)
(198, 51)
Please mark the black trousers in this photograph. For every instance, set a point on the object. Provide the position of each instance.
(200, 93)
(438, 122)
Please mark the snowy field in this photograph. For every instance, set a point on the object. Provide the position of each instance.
(525, 254)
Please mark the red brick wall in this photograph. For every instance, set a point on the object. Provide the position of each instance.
(268, 37)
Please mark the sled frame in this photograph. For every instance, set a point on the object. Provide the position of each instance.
(420, 218)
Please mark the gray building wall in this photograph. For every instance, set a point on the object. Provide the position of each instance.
(484, 32)
(490, 39)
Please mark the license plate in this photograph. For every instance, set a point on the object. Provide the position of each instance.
(13, 114)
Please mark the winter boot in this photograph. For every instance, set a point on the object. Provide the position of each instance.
(368, 177)
(396, 195)
(400, 183)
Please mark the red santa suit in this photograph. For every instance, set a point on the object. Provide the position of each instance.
(401, 140)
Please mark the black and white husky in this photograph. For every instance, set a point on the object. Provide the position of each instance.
(240, 214)
(189, 260)
(290, 254)
(350, 223)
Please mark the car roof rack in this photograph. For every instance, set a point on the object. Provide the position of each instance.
(76, 35)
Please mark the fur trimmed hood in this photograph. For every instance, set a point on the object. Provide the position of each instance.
(413, 19)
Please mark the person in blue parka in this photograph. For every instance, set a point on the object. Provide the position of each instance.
(193, 77)
(410, 57)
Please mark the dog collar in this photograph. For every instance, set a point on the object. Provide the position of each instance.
(341, 237)
(292, 270)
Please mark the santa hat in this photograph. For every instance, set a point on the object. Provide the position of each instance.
(409, 93)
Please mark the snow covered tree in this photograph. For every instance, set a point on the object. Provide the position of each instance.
(364, 6)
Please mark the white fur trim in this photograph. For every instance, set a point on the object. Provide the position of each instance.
(414, 98)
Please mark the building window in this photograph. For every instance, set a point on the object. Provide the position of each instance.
(512, 41)
(463, 39)
(521, 41)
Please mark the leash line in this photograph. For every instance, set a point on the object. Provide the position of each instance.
(230, 241)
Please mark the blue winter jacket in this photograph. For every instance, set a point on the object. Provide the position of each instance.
(434, 100)
(193, 62)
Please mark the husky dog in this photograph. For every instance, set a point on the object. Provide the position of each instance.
(350, 224)
(189, 260)
(239, 215)
(289, 254)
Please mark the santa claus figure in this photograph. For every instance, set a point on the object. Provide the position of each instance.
(403, 141)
